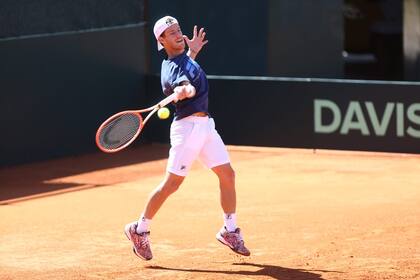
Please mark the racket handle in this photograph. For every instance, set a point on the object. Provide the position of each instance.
(167, 100)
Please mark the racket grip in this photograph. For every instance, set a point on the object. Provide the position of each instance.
(167, 100)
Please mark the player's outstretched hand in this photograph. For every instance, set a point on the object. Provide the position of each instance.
(197, 41)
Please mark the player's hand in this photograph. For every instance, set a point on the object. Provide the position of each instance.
(197, 41)
(184, 91)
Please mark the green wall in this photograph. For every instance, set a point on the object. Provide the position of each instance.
(301, 38)
(57, 89)
(305, 38)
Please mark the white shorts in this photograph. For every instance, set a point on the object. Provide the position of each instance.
(195, 137)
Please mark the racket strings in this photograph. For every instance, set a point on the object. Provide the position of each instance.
(119, 131)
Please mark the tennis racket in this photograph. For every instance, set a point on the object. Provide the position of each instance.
(121, 129)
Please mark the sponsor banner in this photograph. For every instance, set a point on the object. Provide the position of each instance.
(363, 117)
(318, 113)
(309, 113)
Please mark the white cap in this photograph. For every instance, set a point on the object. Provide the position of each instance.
(160, 26)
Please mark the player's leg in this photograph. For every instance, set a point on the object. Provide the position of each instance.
(230, 235)
(138, 232)
(168, 186)
(185, 144)
(226, 176)
(215, 156)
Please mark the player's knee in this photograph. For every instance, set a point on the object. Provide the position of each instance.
(228, 176)
(231, 175)
(170, 186)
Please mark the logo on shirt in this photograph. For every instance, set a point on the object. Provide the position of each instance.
(193, 69)
(183, 167)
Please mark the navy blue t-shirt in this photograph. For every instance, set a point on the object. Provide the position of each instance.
(180, 69)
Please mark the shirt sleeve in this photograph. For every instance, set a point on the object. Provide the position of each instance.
(180, 78)
(168, 88)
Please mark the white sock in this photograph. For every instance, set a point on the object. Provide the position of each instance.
(143, 224)
(230, 221)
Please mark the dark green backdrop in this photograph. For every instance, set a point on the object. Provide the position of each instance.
(56, 90)
(66, 66)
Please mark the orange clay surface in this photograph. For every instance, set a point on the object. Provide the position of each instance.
(305, 215)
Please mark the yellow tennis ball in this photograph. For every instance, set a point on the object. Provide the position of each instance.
(163, 113)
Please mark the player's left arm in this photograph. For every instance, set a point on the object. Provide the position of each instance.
(196, 43)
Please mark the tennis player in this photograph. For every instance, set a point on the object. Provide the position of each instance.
(192, 134)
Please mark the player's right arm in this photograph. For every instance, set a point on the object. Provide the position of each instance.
(184, 90)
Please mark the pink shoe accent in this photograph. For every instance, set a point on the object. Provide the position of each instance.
(141, 244)
(233, 240)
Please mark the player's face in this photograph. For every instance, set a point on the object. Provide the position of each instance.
(172, 38)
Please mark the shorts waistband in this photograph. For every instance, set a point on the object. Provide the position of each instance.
(195, 119)
(200, 114)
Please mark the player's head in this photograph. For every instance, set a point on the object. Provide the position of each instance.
(168, 34)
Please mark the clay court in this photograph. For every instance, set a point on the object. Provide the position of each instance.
(305, 214)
